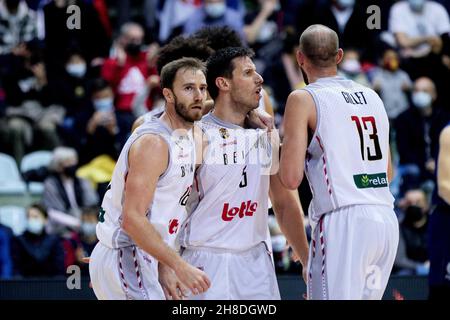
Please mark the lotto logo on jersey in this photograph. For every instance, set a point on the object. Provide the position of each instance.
(366, 181)
(246, 209)
(173, 226)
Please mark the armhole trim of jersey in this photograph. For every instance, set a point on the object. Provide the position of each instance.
(169, 160)
(318, 117)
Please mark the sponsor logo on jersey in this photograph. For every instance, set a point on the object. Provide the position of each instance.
(367, 181)
(246, 209)
(224, 133)
(173, 226)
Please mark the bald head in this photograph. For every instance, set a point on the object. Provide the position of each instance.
(320, 45)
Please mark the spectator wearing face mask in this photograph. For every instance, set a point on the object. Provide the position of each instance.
(64, 193)
(37, 253)
(412, 255)
(99, 124)
(350, 67)
(214, 13)
(417, 132)
(393, 84)
(127, 71)
(70, 87)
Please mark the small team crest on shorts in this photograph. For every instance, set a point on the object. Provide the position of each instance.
(224, 133)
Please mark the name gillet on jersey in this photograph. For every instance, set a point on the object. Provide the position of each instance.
(354, 98)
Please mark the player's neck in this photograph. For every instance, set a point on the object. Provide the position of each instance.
(315, 75)
(175, 122)
(229, 113)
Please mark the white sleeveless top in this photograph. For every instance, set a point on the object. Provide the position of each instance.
(347, 159)
(229, 201)
(167, 211)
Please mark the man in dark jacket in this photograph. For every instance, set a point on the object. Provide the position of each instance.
(36, 253)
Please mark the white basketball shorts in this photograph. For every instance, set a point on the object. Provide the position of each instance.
(124, 274)
(352, 253)
(245, 275)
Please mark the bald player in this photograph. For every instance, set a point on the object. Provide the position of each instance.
(337, 131)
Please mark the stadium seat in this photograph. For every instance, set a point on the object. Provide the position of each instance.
(11, 182)
(34, 161)
(15, 218)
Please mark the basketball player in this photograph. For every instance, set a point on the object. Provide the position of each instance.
(347, 162)
(439, 230)
(146, 202)
(226, 234)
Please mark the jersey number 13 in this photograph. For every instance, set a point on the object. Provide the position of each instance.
(362, 124)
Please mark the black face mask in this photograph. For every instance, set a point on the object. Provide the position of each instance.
(70, 171)
(133, 49)
(413, 214)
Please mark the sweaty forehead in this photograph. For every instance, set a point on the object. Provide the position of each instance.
(189, 75)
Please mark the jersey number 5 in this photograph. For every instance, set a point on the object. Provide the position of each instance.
(362, 123)
(244, 183)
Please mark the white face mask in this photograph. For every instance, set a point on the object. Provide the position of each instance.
(77, 70)
(351, 66)
(35, 225)
(104, 104)
(215, 10)
(422, 99)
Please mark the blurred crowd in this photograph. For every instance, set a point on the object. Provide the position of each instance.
(76, 93)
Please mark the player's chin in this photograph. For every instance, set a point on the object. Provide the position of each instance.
(196, 114)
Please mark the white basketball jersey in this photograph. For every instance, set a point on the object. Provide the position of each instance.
(229, 201)
(167, 212)
(347, 159)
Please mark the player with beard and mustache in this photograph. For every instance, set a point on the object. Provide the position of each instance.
(145, 204)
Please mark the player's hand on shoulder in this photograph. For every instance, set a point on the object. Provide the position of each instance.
(259, 119)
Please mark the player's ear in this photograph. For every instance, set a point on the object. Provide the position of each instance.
(339, 56)
(222, 83)
(168, 95)
(300, 58)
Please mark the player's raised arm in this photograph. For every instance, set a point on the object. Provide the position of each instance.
(299, 112)
(148, 160)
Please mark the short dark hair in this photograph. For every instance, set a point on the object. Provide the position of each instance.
(219, 37)
(169, 71)
(97, 85)
(220, 64)
(180, 47)
(40, 207)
